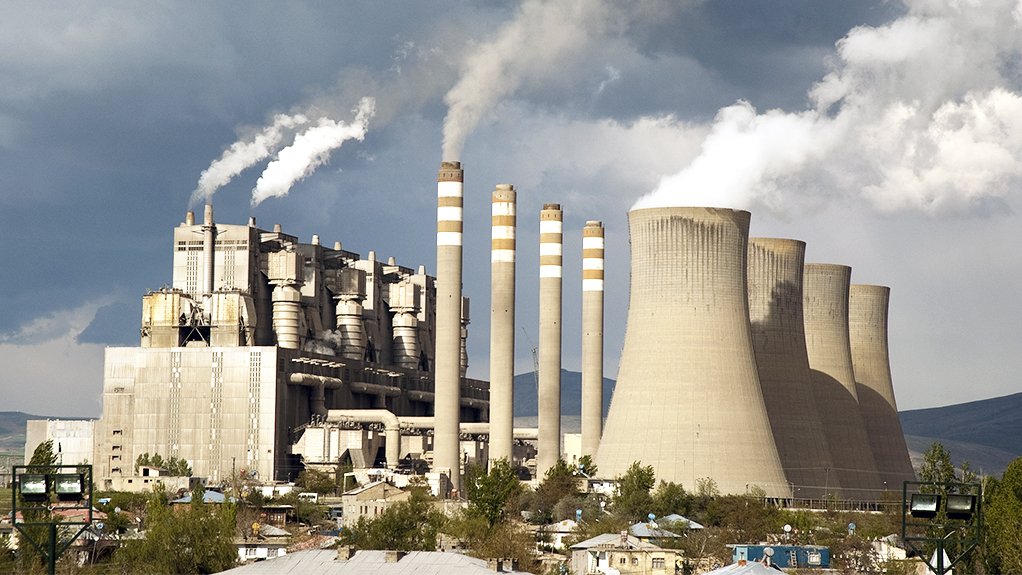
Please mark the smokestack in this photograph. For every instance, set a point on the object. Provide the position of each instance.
(550, 241)
(208, 249)
(688, 399)
(502, 321)
(825, 297)
(867, 329)
(779, 341)
(592, 337)
(446, 445)
(189, 218)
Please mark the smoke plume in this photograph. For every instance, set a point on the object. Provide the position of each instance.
(535, 43)
(243, 154)
(924, 113)
(310, 150)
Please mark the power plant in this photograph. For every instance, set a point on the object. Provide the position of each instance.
(741, 364)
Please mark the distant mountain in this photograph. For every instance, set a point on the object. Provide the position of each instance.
(986, 433)
(12, 431)
(527, 397)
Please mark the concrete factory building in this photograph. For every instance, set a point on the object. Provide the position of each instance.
(741, 363)
(261, 336)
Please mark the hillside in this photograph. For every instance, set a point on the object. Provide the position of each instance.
(986, 433)
(12, 431)
(526, 396)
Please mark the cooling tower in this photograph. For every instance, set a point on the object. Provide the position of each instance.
(550, 242)
(867, 328)
(688, 399)
(502, 322)
(592, 336)
(778, 339)
(446, 447)
(825, 297)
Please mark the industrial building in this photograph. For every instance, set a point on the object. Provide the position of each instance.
(261, 336)
(741, 363)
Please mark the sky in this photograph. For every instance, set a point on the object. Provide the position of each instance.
(885, 134)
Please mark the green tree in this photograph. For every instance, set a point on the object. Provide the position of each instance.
(411, 525)
(586, 466)
(559, 483)
(669, 498)
(937, 466)
(1004, 522)
(196, 540)
(633, 500)
(492, 495)
(316, 482)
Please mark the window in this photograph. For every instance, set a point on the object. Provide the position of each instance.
(624, 561)
(250, 552)
(658, 563)
(635, 560)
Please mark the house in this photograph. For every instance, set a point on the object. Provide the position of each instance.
(555, 533)
(262, 541)
(369, 501)
(783, 556)
(625, 554)
(347, 561)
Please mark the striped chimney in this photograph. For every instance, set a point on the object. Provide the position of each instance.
(592, 337)
(446, 409)
(550, 250)
(502, 322)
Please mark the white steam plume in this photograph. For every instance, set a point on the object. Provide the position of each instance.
(535, 43)
(924, 113)
(310, 150)
(243, 154)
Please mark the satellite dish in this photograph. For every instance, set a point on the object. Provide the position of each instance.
(768, 551)
(651, 516)
(100, 526)
(787, 528)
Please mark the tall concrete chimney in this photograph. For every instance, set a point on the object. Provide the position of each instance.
(688, 399)
(550, 251)
(778, 338)
(502, 322)
(208, 249)
(825, 297)
(592, 337)
(867, 328)
(447, 407)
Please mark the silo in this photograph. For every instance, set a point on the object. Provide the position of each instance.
(447, 406)
(778, 339)
(825, 297)
(502, 321)
(867, 328)
(688, 399)
(592, 336)
(548, 450)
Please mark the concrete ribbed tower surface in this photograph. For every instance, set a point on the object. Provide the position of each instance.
(778, 339)
(825, 305)
(550, 254)
(688, 399)
(446, 445)
(592, 336)
(502, 321)
(867, 328)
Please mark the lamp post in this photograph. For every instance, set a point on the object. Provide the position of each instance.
(939, 513)
(43, 489)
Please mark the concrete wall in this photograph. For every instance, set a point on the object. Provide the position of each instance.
(867, 329)
(688, 397)
(778, 338)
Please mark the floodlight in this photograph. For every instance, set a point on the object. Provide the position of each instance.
(960, 506)
(924, 505)
(34, 487)
(69, 486)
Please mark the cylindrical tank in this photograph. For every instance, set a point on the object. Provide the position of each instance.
(779, 341)
(688, 399)
(446, 447)
(592, 337)
(287, 310)
(502, 321)
(549, 421)
(825, 306)
(867, 328)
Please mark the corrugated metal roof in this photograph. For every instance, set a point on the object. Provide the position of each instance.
(325, 562)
